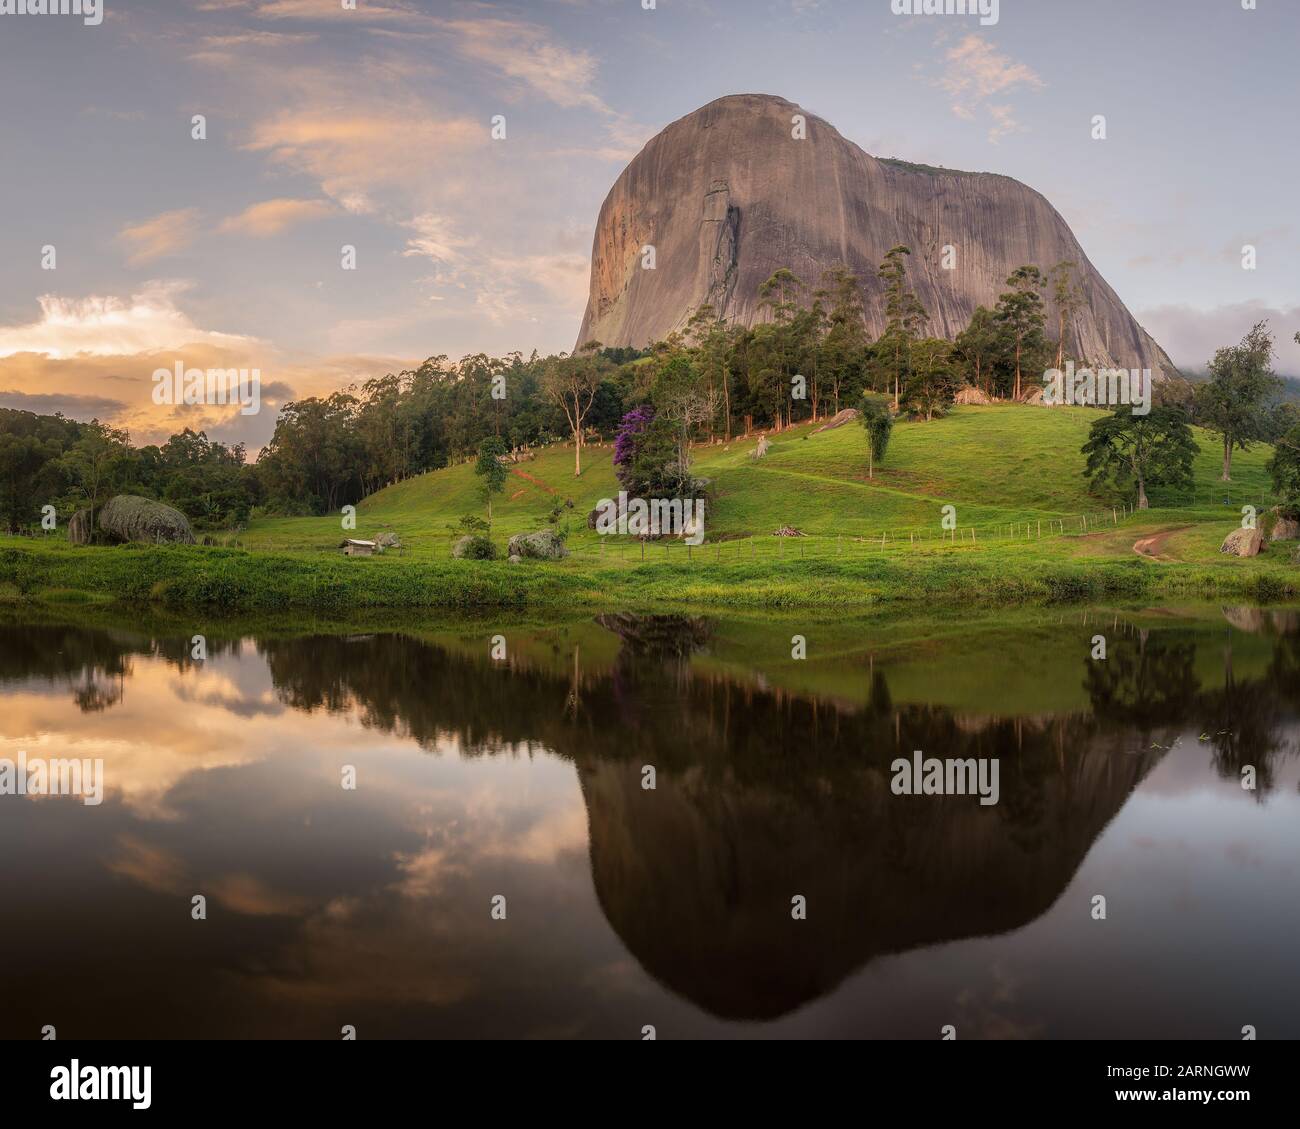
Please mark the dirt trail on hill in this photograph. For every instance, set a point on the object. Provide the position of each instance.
(1152, 546)
(535, 481)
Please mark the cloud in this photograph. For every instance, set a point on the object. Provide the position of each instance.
(355, 150)
(228, 47)
(273, 216)
(368, 11)
(531, 56)
(94, 357)
(528, 54)
(1191, 335)
(164, 234)
(72, 406)
(565, 277)
(108, 326)
(435, 239)
(119, 389)
(975, 73)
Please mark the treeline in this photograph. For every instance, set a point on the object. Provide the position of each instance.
(809, 357)
(50, 461)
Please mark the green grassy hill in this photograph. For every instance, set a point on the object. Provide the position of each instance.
(1028, 530)
(998, 466)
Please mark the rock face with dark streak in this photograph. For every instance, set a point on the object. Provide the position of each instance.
(726, 196)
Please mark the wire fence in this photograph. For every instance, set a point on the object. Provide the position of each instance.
(629, 550)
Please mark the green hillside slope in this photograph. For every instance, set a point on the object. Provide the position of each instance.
(997, 465)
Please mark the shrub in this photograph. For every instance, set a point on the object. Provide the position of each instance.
(478, 548)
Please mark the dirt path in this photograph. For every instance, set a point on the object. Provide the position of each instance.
(1153, 546)
(529, 478)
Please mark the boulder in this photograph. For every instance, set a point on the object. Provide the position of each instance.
(129, 517)
(388, 541)
(971, 395)
(1243, 543)
(839, 419)
(1280, 527)
(80, 529)
(544, 545)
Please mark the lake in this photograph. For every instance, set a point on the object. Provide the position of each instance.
(500, 867)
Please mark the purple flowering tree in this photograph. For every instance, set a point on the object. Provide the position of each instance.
(627, 442)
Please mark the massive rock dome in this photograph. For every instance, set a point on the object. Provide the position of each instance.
(727, 195)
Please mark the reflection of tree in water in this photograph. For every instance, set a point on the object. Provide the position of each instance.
(1242, 720)
(1153, 684)
(1148, 684)
(659, 636)
(95, 697)
(94, 662)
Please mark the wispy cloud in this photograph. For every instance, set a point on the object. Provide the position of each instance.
(435, 239)
(270, 217)
(164, 234)
(353, 152)
(530, 55)
(977, 77)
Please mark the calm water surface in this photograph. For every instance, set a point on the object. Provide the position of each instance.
(670, 907)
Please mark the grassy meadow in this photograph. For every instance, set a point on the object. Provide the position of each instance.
(1028, 530)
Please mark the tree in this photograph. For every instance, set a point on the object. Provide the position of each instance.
(646, 458)
(1150, 450)
(27, 465)
(878, 422)
(1234, 401)
(1069, 300)
(1284, 468)
(979, 347)
(844, 347)
(571, 382)
(932, 383)
(687, 409)
(316, 459)
(685, 400)
(627, 444)
(491, 472)
(713, 356)
(904, 315)
(1020, 310)
(96, 462)
(780, 340)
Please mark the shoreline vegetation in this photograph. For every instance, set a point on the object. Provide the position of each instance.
(222, 581)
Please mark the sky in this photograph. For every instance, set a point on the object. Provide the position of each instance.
(372, 128)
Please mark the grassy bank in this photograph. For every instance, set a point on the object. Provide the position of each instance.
(230, 580)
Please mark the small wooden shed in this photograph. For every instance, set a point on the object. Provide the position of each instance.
(354, 548)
